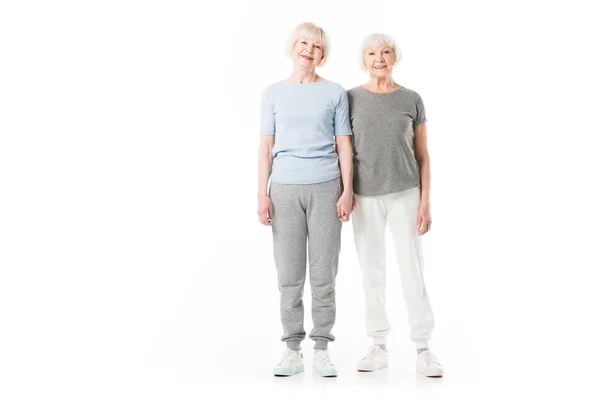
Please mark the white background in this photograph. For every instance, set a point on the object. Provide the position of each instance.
(133, 265)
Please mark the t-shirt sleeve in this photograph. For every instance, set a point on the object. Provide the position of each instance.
(267, 115)
(341, 121)
(420, 117)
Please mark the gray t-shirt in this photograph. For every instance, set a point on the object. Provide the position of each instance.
(383, 127)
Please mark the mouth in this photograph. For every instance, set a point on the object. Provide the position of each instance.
(380, 66)
(307, 57)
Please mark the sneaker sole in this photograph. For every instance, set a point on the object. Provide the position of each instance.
(440, 375)
(372, 369)
(325, 374)
(289, 372)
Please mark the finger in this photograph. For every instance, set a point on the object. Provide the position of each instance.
(346, 216)
(264, 219)
(423, 227)
(428, 226)
(419, 222)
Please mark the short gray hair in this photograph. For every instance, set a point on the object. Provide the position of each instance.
(379, 40)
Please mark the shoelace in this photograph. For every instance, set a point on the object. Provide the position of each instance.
(288, 358)
(322, 358)
(372, 354)
(431, 359)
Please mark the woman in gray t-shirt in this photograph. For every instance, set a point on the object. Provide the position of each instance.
(391, 185)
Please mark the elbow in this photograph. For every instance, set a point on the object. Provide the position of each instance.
(423, 159)
(265, 151)
(343, 148)
(268, 152)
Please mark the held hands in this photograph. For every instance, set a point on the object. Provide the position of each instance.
(265, 210)
(423, 219)
(345, 205)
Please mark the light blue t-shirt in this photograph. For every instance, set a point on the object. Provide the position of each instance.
(304, 118)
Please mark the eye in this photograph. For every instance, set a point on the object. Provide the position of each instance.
(371, 53)
(318, 47)
(303, 42)
(387, 52)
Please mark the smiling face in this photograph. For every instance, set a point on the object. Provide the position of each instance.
(308, 53)
(379, 61)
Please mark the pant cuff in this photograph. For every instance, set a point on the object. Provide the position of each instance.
(321, 345)
(422, 345)
(379, 340)
(293, 344)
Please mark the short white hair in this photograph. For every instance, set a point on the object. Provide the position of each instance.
(379, 40)
(308, 30)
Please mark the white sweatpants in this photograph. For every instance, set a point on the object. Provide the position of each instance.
(400, 211)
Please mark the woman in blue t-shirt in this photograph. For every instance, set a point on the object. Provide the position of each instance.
(305, 141)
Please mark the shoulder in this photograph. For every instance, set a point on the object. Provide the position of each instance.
(272, 87)
(412, 94)
(335, 92)
(335, 88)
(355, 91)
(269, 93)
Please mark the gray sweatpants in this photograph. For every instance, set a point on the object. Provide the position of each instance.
(304, 213)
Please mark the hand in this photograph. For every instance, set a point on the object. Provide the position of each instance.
(423, 219)
(265, 210)
(344, 206)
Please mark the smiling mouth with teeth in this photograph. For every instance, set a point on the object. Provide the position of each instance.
(380, 66)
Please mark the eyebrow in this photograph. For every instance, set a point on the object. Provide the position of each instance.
(308, 40)
(383, 48)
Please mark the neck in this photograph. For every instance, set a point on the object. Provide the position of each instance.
(382, 84)
(302, 75)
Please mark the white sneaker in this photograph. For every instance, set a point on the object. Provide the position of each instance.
(375, 359)
(428, 365)
(323, 365)
(291, 363)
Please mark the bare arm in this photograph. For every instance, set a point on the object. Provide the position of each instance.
(343, 146)
(265, 162)
(422, 156)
